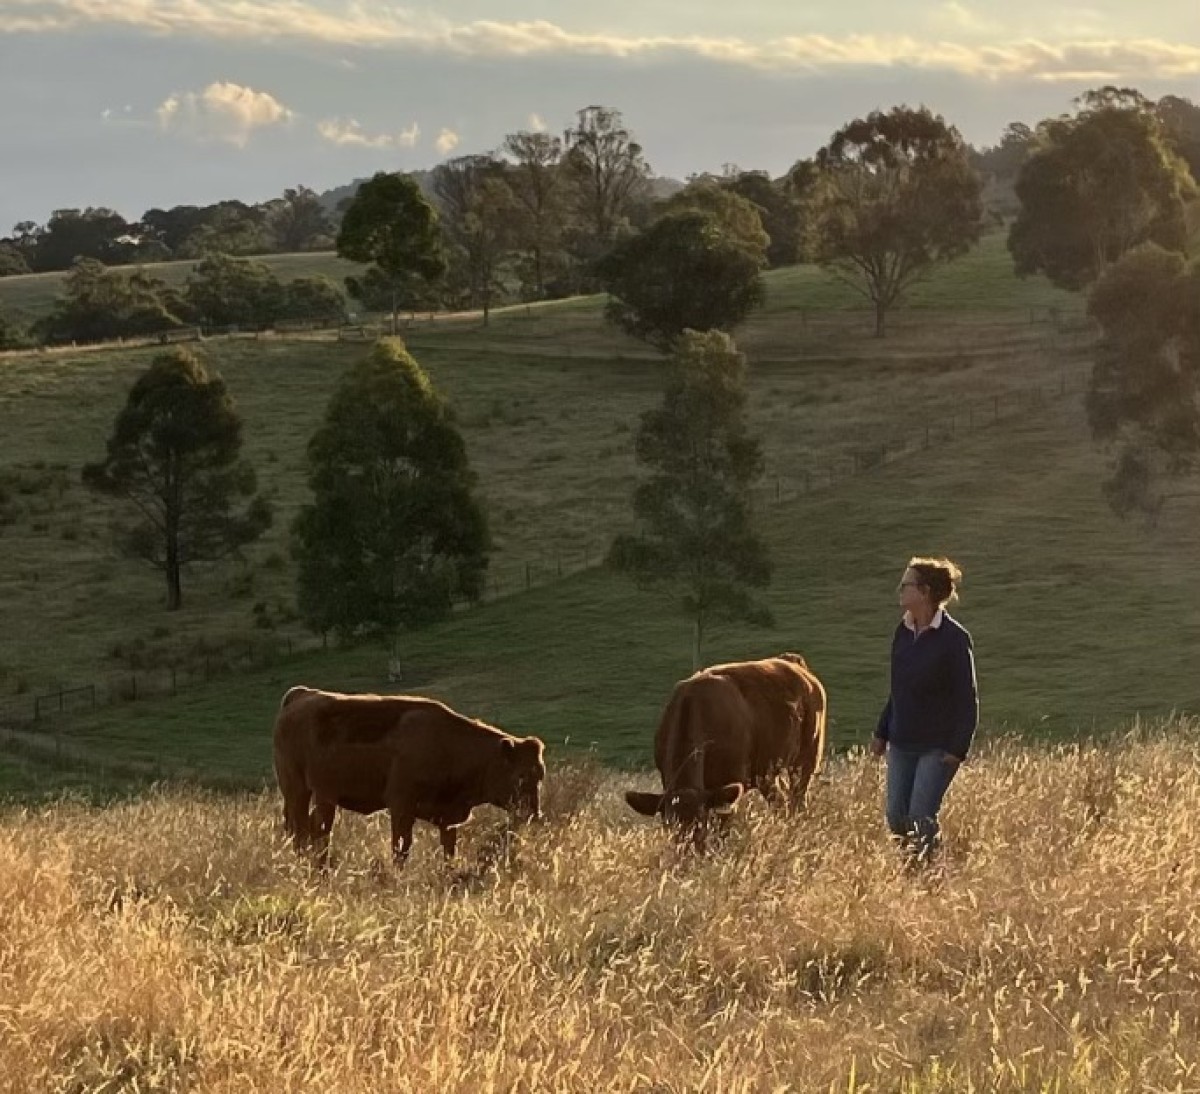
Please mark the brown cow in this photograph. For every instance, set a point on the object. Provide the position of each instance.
(729, 728)
(415, 757)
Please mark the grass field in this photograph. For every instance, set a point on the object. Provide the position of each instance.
(173, 944)
(33, 295)
(548, 399)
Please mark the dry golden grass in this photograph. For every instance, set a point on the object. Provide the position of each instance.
(173, 944)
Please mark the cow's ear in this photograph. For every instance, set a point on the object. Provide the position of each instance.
(646, 804)
(725, 797)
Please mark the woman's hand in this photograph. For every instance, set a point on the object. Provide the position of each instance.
(950, 759)
(878, 746)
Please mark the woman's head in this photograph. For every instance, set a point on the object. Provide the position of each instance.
(929, 584)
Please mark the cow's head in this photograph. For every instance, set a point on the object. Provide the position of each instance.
(687, 811)
(519, 776)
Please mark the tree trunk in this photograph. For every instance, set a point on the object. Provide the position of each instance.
(880, 317)
(171, 530)
(174, 585)
(395, 312)
(697, 640)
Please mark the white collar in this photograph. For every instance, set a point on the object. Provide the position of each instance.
(934, 623)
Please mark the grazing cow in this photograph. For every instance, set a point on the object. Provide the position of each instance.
(729, 728)
(415, 757)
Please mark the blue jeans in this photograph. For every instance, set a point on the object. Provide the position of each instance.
(916, 783)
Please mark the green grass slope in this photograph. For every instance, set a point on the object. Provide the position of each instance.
(1080, 623)
(33, 295)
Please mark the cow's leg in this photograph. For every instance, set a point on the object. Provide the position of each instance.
(320, 826)
(449, 841)
(804, 778)
(295, 816)
(402, 836)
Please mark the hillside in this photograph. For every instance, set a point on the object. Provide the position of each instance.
(548, 399)
(33, 295)
(173, 944)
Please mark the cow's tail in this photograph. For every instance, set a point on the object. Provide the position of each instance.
(816, 717)
(684, 753)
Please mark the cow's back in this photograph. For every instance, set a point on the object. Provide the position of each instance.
(787, 705)
(346, 743)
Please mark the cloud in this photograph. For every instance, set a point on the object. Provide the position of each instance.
(350, 133)
(957, 17)
(446, 142)
(222, 111)
(360, 25)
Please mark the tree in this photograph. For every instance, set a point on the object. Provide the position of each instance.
(313, 298)
(12, 335)
(693, 512)
(71, 234)
(779, 209)
(98, 304)
(228, 228)
(685, 271)
(1180, 120)
(1144, 398)
(174, 457)
(1096, 185)
(298, 221)
(739, 218)
(173, 227)
(477, 210)
(536, 181)
(227, 291)
(607, 173)
(391, 224)
(895, 194)
(394, 534)
(12, 260)
(1000, 165)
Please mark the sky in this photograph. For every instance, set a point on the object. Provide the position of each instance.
(133, 104)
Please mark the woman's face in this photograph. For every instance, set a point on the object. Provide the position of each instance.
(914, 597)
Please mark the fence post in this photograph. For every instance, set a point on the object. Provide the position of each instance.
(927, 436)
(133, 685)
(528, 575)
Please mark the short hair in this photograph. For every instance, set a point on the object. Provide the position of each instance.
(940, 576)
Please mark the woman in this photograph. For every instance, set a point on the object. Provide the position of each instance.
(929, 721)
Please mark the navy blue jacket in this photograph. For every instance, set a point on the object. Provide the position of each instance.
(934, 701)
